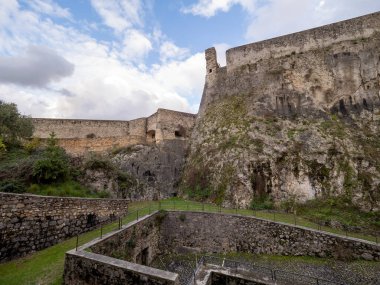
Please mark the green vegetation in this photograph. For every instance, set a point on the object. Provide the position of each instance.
(262, 202)
(53, 166)
(13, 125)
(341, 213)
(46, 266)
(65, 189)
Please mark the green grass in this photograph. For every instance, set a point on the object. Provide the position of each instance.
(46, 266)
(65, 189)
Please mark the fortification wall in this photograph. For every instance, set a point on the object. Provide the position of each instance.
(317, 38)
(80, 136)
(331, 67)
(79, 146)
(30, 223)
(174, 125)
(74, 129)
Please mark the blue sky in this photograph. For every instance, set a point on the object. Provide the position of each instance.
(123, 59)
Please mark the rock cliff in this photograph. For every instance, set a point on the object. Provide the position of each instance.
(298, 122)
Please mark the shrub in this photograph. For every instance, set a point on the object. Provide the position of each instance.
(32, 145)
(54, 164)
(263, 202)
(99, 163)
(12, 186)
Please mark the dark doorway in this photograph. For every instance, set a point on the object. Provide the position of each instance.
(143, 257)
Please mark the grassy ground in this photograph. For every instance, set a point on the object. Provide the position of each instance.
(46, 266)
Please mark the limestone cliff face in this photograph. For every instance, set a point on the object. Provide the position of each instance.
(295, 122)
(140, 172)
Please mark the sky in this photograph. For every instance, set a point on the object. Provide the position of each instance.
(124, 59)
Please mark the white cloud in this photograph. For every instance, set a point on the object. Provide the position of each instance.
(50, 8)
(169, 50)
(104, 85)
(119, 14)
(209, 8)
(136, 45)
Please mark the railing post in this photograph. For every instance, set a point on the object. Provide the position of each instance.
(137, 214)
(173, 205)
(149, 209)
(76, 245)
(101, 231)
(203, 206)
(159, 205)
(295, 219)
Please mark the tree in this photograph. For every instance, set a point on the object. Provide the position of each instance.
(13, 125)
(54, 164)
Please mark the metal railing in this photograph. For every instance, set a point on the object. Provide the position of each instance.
(276, 216)
(260, 272)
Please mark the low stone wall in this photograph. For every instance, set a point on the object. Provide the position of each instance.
(30, 223)
(85, 268)
(218, 233)
(137, 242)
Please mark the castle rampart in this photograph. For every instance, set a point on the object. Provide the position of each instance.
(321, 37)
(331, 67)
(81, 136)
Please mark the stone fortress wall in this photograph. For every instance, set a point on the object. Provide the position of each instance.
(81, 136)
(29, 223)
(334, 54)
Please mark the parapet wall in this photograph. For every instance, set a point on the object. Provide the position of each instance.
(30, 223)
(321, 37)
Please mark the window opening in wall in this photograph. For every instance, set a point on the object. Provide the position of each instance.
(177, 134)
(210, 70)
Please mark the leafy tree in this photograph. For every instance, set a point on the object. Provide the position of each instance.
(13, 125)
(54, 164)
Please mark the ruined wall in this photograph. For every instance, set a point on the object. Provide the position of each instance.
(221, 233)
(30, 223)
(294, 118)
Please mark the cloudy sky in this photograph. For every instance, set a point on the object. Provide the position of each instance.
(123, 59)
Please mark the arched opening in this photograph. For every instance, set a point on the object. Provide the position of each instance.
(151, 136)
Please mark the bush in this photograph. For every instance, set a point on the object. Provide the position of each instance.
(54, 164)
(99, 163)
(12, 186)
(32, 145)
(263, 202)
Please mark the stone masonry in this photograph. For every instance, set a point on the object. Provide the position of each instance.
(30, 223)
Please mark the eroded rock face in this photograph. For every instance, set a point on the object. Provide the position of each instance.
(296, 126)
(141, 172)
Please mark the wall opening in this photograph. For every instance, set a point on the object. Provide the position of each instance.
(143, 257)
(151, 136)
